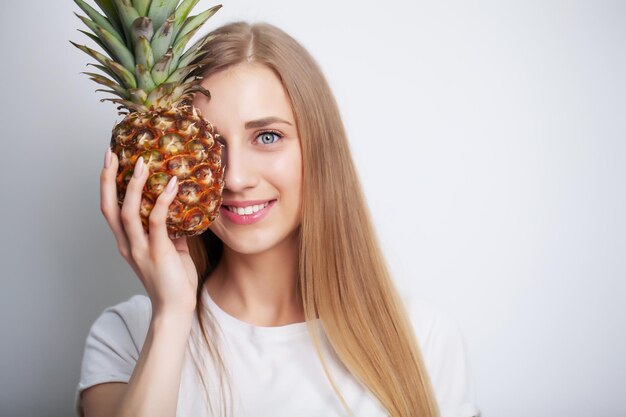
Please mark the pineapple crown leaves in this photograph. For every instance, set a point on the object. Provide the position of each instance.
(144, 62)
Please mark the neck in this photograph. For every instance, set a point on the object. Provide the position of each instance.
(259, 288)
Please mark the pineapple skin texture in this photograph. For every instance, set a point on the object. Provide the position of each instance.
(174, 141)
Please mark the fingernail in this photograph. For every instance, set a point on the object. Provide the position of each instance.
(138, 167)
(107, 157)
(171, 184)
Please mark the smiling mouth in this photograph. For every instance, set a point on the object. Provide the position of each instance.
(247, 210)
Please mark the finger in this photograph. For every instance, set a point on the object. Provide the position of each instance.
(158, 215)
(131, 219)
(108, 201)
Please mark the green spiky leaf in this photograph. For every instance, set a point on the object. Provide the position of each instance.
(141, 6)
(142, 27)
(160, 10)
(178, 49)
(108, 7)
(119, 50)
(137, 95)
(162, 39)
(122, 92)
(180, 74)
(91, 25)
(194, 51)
(128, 79)
(144, 79)
(147, 66)
(98, 19)
(193, 23)
(96, 40)
(181, 13)
(127, 14)
(160, 91)
(108, 72)
(143, 53)
(122, 96)
(160, 70)
(125, 104)
(185, 90)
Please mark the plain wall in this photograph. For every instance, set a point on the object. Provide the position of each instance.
(490, 141)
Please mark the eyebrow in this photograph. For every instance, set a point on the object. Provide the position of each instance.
(264, 122)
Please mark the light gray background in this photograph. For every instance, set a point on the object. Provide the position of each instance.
(490, 139)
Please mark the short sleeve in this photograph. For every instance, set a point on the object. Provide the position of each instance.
(444, 353)
(113, 345)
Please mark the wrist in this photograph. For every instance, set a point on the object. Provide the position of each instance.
(172, 318)
(179, 309)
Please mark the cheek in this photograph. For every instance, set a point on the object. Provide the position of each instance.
(285, 172)
(284, 169)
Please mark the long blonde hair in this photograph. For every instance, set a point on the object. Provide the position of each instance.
(343, 279)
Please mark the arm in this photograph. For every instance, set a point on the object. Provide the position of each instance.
(153, 387)
(102, 400)
(166, 270)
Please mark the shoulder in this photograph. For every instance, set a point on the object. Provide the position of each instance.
(113, 344)
(133, 310)
(124, 323)
(132, 315)
(444, 353)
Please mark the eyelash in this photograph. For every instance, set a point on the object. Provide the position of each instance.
(278, 135)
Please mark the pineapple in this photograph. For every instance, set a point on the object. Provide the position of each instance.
(149, 73)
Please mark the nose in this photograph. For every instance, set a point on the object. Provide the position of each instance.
(239, 171)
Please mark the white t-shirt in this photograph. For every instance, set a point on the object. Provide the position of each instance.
(274, 371)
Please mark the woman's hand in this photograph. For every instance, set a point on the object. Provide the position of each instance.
(163, 265)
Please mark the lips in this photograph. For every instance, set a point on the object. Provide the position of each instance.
(251, 209)
(234, 203)
(246, 212)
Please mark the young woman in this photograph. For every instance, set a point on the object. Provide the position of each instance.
(285, 307)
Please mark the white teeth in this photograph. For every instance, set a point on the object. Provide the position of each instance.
(247, 210)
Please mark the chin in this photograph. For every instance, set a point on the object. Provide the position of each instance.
(260, 242)
(250, 248)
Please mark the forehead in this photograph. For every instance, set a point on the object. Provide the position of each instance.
(244, 92)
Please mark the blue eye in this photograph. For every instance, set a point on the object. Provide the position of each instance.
(268, 138)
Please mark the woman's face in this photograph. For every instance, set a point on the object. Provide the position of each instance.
(263, 176)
